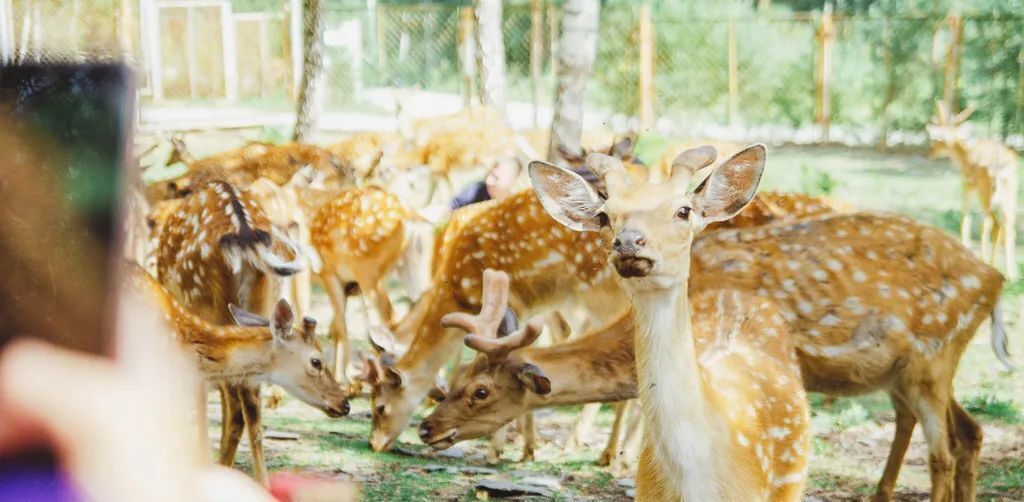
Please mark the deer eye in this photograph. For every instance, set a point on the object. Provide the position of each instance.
(317, 364)
(602, 219)
(381, 410)
(683, 213)
(480, 393)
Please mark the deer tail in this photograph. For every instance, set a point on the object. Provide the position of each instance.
(256, 248)
(999, 340)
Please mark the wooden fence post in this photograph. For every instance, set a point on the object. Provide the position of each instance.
(646, 78)
(1019, 112)
(467, 53)
(229, 42)
(826, 38)
(536, 55)
(951, 72)
(734, 77)
(190, 52)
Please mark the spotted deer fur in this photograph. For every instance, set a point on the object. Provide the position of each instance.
(725, 415)
(989, 172)
(219, 249)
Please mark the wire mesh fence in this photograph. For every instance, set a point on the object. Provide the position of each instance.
(745, 72)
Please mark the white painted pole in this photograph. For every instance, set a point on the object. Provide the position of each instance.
(6, 31)
(230, 52)
(152, 38)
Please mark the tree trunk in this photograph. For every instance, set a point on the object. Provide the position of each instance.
(577, 50)
(492, 53)
(308, 107)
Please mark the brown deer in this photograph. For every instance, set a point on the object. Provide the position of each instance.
(219, 249)
(875, 303)
(988, 170)
(725, 414)
(230, 159)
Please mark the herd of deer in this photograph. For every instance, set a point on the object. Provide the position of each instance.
(714, 308)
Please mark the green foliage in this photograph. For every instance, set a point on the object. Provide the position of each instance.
(816, 181)
(991, 406)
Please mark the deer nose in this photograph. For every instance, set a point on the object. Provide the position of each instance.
(424, 430)
(629, 241)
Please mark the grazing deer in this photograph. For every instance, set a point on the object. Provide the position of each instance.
(360, 234)
(988, 170)
(875, 303)
(230, 159)
(219, 249)
(725, 415)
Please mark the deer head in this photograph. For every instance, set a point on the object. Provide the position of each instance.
(179, 152)
(391, 412)
(492, 390)
(297, 363)
(648, 227)
(948, 130)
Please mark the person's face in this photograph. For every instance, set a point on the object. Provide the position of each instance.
(499, 180)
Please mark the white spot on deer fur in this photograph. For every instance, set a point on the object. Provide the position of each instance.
(789, 285)
(829, 320)
(970, 282)
(551, 259)
(778, 432)
(742, 440)
(819, 275)
(834, 265)
(859, 276)
(804, 307)
(865, 231)
(793, 265)
(927, 319)
(841, 233)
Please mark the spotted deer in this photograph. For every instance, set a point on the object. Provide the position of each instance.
(219, 249)
(725, 414)
(988, 170)
(875, 303)
(360, 234)
(230, 159)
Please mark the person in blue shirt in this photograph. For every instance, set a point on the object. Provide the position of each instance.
(497, 184)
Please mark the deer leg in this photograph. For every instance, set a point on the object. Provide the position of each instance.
(382, 304)
(528, 428)
(1010, 243)
(586, 422)
(232, 423)
(301, 285)
(986, 236)
(931, 406)
(965, 220)
(253, 424)
(631, 446)
(997, 238)
(497, 445)
(967, 449)
(905, 422)
(339, 330)
(612, 450)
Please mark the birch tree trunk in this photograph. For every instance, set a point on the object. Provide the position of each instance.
(308, 107)
(492, 53)
(577, 50)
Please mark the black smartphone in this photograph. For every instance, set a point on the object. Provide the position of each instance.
(65, 131)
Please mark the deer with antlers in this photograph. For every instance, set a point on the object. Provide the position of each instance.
(875, 303)
(216, 250)
(988, 170)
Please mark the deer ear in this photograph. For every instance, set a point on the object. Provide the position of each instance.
(533, 378)
(282, 319)
(382, 340)
(623, 149)
(247, 319)
(566, 196)
(392, 376)
(440, 389)
(731, 185)
(372, 370)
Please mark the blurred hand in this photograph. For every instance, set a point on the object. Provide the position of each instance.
(121, 429)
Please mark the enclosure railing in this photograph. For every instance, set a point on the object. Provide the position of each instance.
(866, 78)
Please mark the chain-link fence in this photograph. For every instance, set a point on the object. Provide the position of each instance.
(867, 76)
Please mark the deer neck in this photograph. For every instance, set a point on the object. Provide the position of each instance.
(685, 433)
(431, 345)
(224, 351)
(599, 367)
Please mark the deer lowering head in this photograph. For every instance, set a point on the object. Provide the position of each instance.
(478, 404)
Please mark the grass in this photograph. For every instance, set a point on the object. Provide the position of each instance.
(852, 434)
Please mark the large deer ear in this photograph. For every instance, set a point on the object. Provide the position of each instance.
(566, 196)
(623, 148)
(282, 319)
(533, 378)
(731, 185)
(247, 319)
